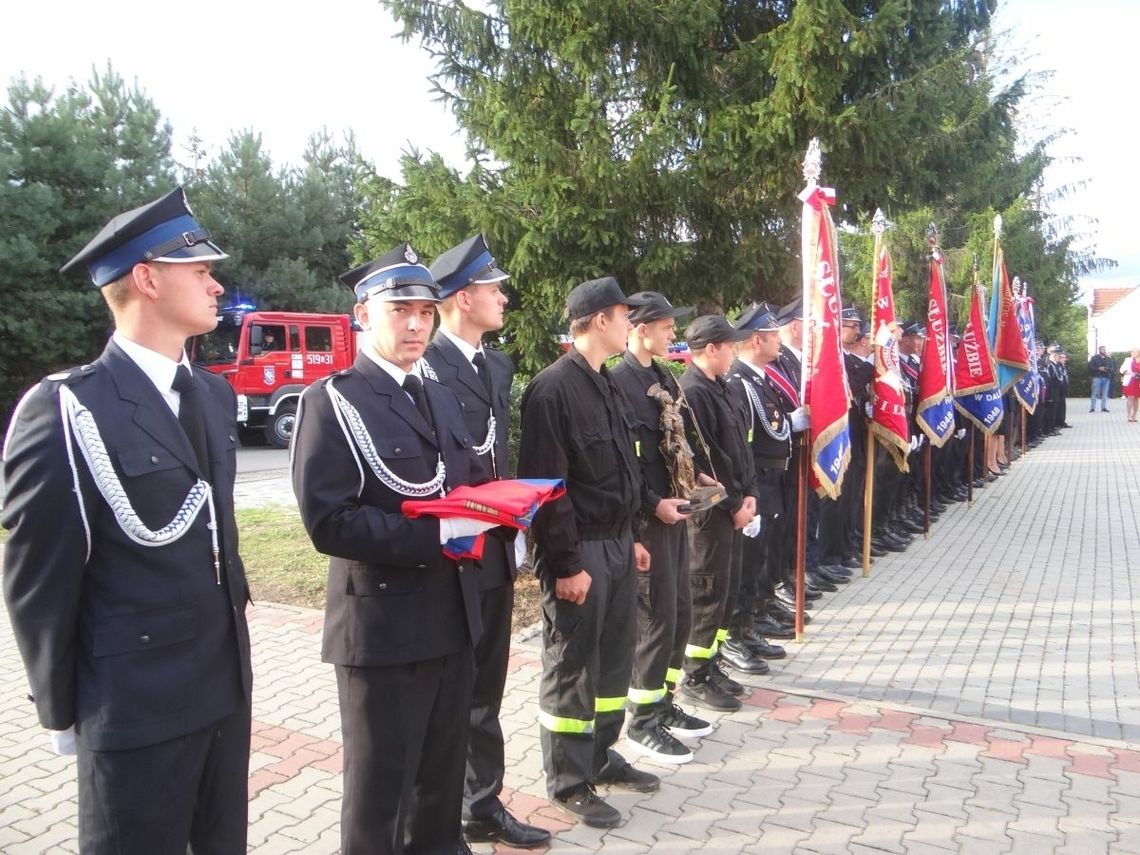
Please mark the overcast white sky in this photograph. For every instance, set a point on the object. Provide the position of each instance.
(286, 71)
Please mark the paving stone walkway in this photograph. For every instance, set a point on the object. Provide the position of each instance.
(960, 700)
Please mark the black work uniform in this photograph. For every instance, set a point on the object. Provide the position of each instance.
(573, 427)
(664, 599)
(714, 544)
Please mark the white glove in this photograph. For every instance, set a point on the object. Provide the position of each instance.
(800, 419)
(921, 440)
(961, 434)
(913, 444)
(454, 527)
(869, 409)
(63, 742)
(520, 549)
(753, 527)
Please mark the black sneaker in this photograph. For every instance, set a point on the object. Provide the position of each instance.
(680, 723)
(658, 743)
(709, 695)
(628, 777)
(585, 805)
(724, 682)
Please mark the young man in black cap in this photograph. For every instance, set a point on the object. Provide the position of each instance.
(472, 305)
(574, 428)
(715, 534)
(401, 617)
(122, 577)
(670, 470)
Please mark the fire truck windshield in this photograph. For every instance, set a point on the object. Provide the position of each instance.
(217, 347)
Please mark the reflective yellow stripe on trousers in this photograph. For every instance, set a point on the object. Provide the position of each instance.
(604, 705)
(645, 696)
(561, 724)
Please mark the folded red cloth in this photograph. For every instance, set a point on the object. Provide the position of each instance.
(512, 502)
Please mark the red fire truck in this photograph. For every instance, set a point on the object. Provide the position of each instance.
(269, 358)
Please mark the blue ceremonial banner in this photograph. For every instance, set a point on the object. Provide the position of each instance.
(1028, 386)
(976, 394)
(984, 409)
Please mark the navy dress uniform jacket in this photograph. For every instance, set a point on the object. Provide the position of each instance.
(131, 644)
(454, 371)
(769, 455)
(393, 598)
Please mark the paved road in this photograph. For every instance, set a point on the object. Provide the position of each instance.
(976, 694)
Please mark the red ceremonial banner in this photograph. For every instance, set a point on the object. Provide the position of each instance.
(974, 369)
(825, 379)
(935, 411)
(1008, 346)
(888, 419)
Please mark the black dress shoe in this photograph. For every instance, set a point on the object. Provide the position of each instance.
(819, 583)
(853, 563)
(768, 628)
(828, 573)
(503, 827)
(760, 646)
(877, 550)
(782, 615)
(740, 656)
(838, 572)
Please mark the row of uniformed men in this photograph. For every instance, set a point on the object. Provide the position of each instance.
(126, 591)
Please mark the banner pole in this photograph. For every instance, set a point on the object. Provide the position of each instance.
(970, 469)
(1022, 426)
(801, 531)
(926, 468)
(868, 501)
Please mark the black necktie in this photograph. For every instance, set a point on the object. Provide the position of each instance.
(414, 386)
(190, 414)
(480, 363)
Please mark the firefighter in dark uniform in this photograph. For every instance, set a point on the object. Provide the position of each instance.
(847, 546)
(401, 617)
(758, 615)
(122, 577)
(789, 364)
(574, 428)
(670, 470)
(472, 305)
(715, 534)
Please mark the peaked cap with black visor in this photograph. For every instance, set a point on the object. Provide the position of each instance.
(394, 276)
(162, 230)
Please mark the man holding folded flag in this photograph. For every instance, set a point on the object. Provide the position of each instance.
(401, 616)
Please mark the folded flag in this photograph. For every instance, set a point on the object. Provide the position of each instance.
(512, 502)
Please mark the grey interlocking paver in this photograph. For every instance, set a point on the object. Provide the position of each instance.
(971, 696)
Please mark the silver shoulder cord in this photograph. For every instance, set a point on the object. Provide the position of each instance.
(758, 410)
(79, 423)
(353, 425)
(488, 443)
